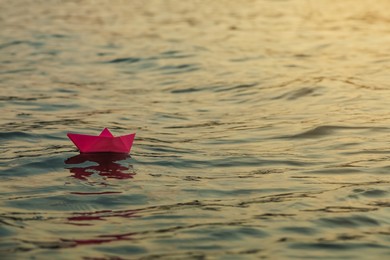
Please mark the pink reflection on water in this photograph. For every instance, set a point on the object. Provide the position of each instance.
(107, 166)
(99, 239)
(85, 218)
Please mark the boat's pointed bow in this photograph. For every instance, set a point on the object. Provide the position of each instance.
(82, 142)
(127, 141)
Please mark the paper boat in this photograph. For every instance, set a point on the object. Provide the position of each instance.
(105, 142)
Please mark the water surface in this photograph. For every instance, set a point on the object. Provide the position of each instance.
(262, 129)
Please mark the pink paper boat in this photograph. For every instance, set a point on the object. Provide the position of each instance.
(105, 142)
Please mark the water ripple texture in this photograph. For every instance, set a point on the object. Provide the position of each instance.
(262, 129)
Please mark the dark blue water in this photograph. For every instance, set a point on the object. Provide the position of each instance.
(262, 129)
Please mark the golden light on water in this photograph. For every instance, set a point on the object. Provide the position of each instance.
(262, 128)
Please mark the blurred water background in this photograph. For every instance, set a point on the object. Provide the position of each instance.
(262, 126)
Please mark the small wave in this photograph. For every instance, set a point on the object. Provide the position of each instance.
(300, 93)
(326, 130)
(124, 60)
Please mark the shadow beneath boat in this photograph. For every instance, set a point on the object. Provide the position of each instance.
(107, 165)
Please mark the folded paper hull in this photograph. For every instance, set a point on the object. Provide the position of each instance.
(102, 143)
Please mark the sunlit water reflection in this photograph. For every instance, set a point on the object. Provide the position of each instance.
(262, 129)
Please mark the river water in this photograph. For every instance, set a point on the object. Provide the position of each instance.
(262, 129)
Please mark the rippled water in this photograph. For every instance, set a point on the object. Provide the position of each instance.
(262, 129)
